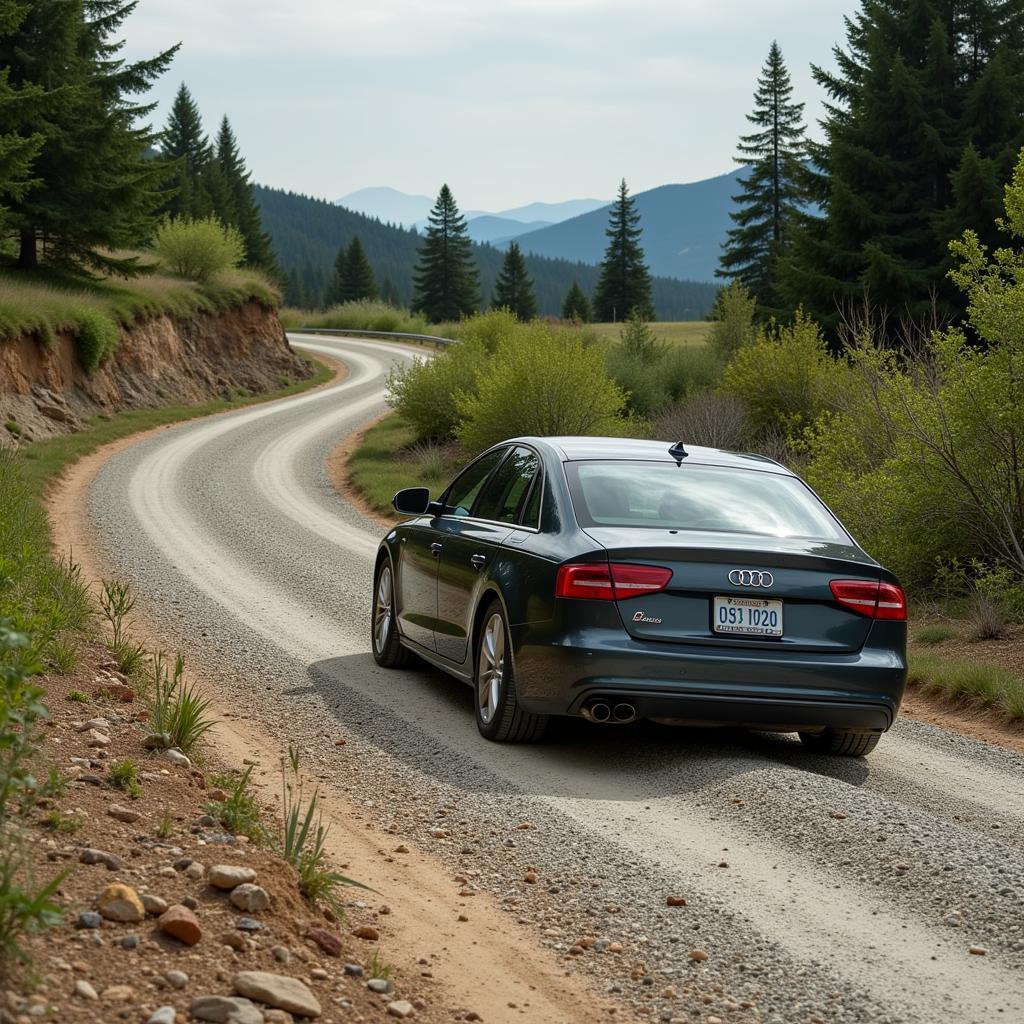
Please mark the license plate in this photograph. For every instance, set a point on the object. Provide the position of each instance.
(748, 616)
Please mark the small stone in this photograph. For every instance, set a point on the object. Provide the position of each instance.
(121, 903)
(251, 898)
(195, 871)
(108, 860)
(319, 974)
(117, 994)
(282, 954)
(463, 918)
(380, 985)
(226, 1010)
(84, 990)
(191, 902)
(697, 954)
(248, 924)
(180, 923)
(279, 991)
(228, 876)
(526, 825)
(440, 833)
(530, 878)
(275, 1016)
(978, 951)
(329, 942)
(153, 904)
(95, 738)
(163, 1015)
(130, 942)
(401, 1008)
(175, 756)
(99, 724)
(615, 947)
(88, 919)
(122, 813)
(353, 970)
(367, 932)
(676, 901)
(402, 849)
(176, 979)
(157, 741)
(206, 821)
(839, 815)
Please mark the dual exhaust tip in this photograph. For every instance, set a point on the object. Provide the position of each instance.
(604, 713)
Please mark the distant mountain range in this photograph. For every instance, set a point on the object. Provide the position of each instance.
(307, 234)
(684, 226)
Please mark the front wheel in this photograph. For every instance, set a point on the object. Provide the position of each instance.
(498, 714)
(387, 648)
(842, 744)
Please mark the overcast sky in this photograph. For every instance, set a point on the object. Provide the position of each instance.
(509, 102)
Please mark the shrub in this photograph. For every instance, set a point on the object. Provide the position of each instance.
(96, 338)
(644, 384)
(491, 329)
(365, 315)
(540, 382)
(240, 812)
(787, 378)
(709, 418)
(732, 321)
(198, 249)
(177, 710)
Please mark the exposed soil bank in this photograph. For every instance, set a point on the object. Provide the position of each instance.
(45, 391)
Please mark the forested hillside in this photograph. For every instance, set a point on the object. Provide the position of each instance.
(307, 234)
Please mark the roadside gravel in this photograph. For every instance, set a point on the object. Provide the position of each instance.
(815, 890)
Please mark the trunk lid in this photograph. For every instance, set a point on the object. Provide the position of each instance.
(701, 563)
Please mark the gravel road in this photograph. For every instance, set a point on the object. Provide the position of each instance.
(885, 889)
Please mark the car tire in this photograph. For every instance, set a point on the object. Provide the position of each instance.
(384, 640)
(498, 714)
(842, 744)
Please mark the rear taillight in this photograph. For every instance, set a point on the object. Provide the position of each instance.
(615, 582)
(871, 598)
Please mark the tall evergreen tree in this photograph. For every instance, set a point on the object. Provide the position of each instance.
(576, 305)
(625, 282)
(917, 84)
(446, 281)
(513, 289)
(772, 194)
(185, 142)
(238, 205)
(96, 187)
(389, 293)
(355, 280)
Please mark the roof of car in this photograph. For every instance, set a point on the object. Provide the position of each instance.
(576, 449)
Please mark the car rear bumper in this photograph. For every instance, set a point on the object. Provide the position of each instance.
(781, 690)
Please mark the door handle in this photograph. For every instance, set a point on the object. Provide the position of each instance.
(478, 561)
(436, 548)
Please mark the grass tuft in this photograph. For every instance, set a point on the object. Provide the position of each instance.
(931, 636)
(985, 685)
(240, 812)
(177, 709)
(125, 775)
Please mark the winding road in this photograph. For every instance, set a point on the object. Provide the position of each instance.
(819, 889)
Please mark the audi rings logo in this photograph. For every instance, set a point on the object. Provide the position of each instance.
(751, 578)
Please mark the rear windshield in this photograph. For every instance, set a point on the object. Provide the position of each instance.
(693, 497)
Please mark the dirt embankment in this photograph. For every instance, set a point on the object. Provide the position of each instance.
(44, 390)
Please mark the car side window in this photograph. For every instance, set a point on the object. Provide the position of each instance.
(531, 514)
(463, 492)
(501, 499)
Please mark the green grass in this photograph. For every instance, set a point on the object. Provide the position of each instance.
(682, 333)
(41, 461)
(387, 461)
(240, 812)
(124, 774)
(46, 302)
(361, 316)
(931, 636)
(976, 682)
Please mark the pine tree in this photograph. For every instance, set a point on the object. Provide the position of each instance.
(96, 186)
(625, 282)
(356, 280)
(576, 305)
(446, 281)
(917, 83)
(238, 205)
(771, 195)
(513, 290)
(185, 142)
(389, 293)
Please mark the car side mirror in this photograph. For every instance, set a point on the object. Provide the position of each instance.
(412, 501)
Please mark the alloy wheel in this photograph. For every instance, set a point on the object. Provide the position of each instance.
(382, 609)
(491, 670)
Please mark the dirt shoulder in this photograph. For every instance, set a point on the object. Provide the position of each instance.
(456, 954)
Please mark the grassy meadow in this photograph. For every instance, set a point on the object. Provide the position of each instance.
(681, 333)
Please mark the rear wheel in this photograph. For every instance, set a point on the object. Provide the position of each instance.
(387, 648)
(843, 744)
(498, 714)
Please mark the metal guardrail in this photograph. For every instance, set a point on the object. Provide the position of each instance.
(422, 339)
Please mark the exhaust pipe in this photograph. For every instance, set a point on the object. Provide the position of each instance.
(623, 714)
(598, 711)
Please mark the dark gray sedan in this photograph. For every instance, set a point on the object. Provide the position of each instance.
(618, 579)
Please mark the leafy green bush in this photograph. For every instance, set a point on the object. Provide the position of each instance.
(96, 338)
(365, 315)
(787, 378)
(198, 249)
(541, 382)
(732, 322)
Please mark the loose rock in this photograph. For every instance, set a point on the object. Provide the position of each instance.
(367, 932)
(84, 990)
(329, 942)
(88, 919)
(153, 904)
(163, 1015)
(221, 1009)
(108, 860)
(176, 979)
(676, 901)
(277, 990)
(251, 898)
(228, 876)
(121, 903)
(180, 923)
(118, 994)
(400, 1008)
(697, 954)
(122, 813)
(95, 738)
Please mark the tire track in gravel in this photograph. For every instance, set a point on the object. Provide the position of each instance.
(233, 525)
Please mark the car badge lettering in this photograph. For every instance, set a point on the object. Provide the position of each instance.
(751, 578)
(646, 619)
